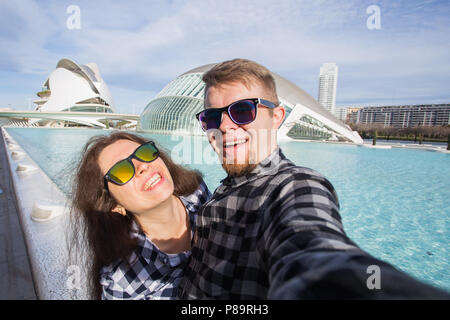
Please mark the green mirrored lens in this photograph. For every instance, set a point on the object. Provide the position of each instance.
(121, 172)
(147, 152)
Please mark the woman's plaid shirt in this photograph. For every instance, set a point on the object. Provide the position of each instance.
(150, 273)
(276, 233)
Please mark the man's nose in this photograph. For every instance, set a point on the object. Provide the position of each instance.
(227, 123)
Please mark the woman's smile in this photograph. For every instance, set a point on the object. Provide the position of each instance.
(154, 180)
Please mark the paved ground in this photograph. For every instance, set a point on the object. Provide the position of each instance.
(15, 276)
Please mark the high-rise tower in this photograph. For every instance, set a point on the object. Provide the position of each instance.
(327, 86)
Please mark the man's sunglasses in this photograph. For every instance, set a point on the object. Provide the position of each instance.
(123, 171)
(240, 112)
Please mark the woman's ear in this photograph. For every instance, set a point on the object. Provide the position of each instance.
(120, 210)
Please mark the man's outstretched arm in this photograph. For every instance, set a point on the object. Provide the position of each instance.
(309, 256)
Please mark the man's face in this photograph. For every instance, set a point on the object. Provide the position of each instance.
(242, 147)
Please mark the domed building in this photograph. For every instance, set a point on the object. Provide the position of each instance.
(76, 88)
(173, 110)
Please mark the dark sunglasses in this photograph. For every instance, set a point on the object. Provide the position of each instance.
(240, 112)
(123, 171)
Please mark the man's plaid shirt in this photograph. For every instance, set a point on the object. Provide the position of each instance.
(149, 272)
(276, 233)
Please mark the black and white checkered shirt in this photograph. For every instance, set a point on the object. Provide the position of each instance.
(151, 273)
(276, 233)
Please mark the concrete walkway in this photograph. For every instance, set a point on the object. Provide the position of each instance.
(15, 275)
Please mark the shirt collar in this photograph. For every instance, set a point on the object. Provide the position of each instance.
(268, 166)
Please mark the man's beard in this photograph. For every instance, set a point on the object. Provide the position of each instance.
(237, 165)
(240, 167)
(237, 170)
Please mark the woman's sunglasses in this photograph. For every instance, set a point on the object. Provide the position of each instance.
(123, 171)
(240, 112)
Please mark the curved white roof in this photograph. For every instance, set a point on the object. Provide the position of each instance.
(71, 83)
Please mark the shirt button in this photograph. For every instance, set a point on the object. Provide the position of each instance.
(165, 259)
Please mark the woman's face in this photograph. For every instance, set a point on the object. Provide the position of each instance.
(143, 192)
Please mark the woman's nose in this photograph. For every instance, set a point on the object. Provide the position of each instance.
(141, 167)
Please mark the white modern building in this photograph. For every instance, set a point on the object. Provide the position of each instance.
(75, 88)
(341, 113)
(404, 116)
(173, 110)
(327, 86)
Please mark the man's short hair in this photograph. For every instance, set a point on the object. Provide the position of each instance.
(244, 71)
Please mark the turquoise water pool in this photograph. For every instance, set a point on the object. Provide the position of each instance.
(395, 203)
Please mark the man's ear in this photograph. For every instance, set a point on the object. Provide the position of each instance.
(120, 210)
(278, 116)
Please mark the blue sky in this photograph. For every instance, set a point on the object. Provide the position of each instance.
(140, 46)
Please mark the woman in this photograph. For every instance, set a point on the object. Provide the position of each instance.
(137, 210)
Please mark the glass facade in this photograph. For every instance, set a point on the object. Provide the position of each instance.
(89, 108)
(173, 109)
(309, 128)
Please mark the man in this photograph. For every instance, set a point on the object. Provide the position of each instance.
(272, 230)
